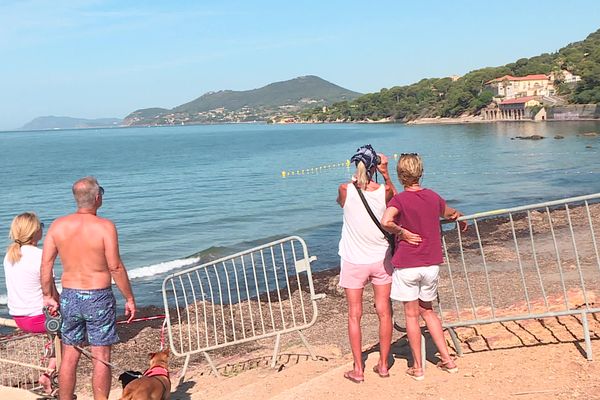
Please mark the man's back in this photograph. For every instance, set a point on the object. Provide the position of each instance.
(89, 250)
(80, 240)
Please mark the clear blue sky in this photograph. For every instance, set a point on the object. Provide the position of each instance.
(95, 59)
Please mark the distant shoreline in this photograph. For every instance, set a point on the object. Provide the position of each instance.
(419, 121)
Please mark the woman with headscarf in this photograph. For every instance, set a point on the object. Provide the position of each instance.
(364, 254)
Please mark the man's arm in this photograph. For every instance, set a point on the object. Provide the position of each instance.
(49, 253)
(117, 269)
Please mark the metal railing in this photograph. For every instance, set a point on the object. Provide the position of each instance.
(531, 262)
(259, 293)
(24, 357)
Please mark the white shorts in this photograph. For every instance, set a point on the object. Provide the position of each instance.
(410, 284)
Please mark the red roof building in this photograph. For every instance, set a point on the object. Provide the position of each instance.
(511, 87)
(519, 100)
(537, 77)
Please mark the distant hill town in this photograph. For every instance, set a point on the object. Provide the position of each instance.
(276, 100)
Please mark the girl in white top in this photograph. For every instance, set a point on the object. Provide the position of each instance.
(363, 251)
(22, 271)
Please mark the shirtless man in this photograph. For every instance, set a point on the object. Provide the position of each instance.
(89, 251)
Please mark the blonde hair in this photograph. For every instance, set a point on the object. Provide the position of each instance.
(22, 231)
(362, 176)
(85, 191)
(410, 169)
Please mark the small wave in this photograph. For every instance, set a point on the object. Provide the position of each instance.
(3, 299)
(161, 268)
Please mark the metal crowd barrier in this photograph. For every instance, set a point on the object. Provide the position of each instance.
(24, 357)
(532, 262)
(255, 294)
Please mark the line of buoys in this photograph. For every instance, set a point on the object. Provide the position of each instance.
(314, 170)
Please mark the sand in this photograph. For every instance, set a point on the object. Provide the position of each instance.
(530, 359)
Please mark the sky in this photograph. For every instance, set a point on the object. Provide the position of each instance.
(98, 59)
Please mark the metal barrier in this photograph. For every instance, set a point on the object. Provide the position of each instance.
(24, 358)
(531, 262)
(258, 293)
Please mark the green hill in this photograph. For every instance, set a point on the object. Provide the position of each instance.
(279, 98)
(444, 97)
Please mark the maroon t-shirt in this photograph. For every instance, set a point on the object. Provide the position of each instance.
(419, 212)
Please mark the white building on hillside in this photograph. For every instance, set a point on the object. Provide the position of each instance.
(511, 87)
(565, 76)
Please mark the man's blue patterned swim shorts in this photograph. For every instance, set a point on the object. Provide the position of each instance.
(88, 315)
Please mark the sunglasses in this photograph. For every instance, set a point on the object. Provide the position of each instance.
(42, 225)
(100, 190)
(409, 154)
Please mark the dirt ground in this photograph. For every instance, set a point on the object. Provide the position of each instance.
(527, 359)
(531, 359)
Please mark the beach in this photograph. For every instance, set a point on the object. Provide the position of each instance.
(529, 359)
(511, 365)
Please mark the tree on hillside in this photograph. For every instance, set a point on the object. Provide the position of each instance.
(447, 98)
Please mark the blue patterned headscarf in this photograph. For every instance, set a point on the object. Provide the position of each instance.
(367, 155)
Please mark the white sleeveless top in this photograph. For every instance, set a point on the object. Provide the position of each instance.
(362, 242)
(23, 283)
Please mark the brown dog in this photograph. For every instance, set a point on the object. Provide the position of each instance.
(155, 384)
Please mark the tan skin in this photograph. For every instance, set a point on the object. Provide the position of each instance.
(418, 308)
(44, 380)
(89, 251)
(354, 297)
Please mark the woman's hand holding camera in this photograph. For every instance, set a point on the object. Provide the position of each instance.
(382, 165)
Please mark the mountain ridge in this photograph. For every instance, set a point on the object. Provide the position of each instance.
(51, 122)
(277, 98)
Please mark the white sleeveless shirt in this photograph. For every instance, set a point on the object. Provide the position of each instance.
(23, 283)
(362, 242)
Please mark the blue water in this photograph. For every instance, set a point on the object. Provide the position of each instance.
(212, 190)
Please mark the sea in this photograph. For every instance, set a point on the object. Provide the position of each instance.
(184, 195)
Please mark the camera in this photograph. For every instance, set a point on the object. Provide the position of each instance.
(53, 322)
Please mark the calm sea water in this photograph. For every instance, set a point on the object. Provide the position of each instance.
(181, 195)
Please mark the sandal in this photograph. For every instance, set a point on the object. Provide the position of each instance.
(381, 374)
(415, 373)
(444, 366)
(350, 376)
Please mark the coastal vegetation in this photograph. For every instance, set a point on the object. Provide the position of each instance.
(448, 97)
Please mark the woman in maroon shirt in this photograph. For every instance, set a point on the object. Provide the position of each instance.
(416, 272)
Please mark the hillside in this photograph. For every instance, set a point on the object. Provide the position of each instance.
(444, 97)
(275, 99)
(53, 122)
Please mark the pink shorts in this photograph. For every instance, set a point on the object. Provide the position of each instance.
(34, 324)
(356, 276)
